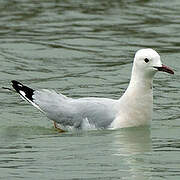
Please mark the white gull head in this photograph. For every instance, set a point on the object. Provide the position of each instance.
(146, 63)
(136, 104)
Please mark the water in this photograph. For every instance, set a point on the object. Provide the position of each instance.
(85, 48)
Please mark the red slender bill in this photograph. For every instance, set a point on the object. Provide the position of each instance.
(165, 69)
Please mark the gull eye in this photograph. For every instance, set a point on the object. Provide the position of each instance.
(146, 60)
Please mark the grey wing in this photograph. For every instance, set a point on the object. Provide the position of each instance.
(55, 106)
(98, 112)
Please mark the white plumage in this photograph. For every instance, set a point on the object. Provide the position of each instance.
(134, 108)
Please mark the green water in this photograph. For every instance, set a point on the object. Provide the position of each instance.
(85, 48)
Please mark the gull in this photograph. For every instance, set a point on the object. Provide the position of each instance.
(134, 108)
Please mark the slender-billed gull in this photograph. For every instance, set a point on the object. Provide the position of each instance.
(134, 108)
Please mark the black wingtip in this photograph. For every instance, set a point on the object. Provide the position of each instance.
(19, 87)
(16, 85)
